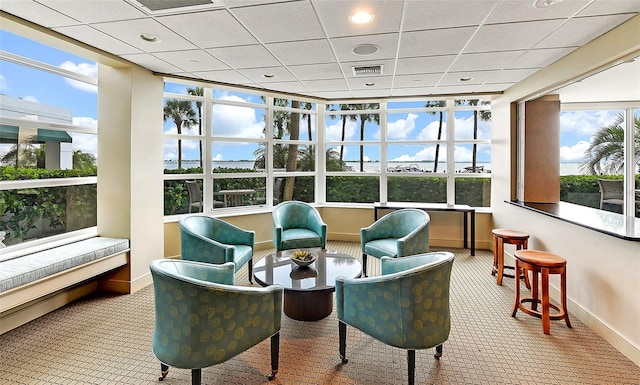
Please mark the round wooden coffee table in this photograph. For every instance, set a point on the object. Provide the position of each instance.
(308, 292)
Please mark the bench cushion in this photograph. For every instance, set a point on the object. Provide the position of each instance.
(29, 268)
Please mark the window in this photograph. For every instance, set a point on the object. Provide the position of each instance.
(48, 141)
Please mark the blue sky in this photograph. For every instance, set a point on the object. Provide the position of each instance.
(234, 121)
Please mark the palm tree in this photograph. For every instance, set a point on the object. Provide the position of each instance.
(198, 91)
(182, 114)
(292, 153)
(353, 118)
(605, 154)
(485, 116)
(437, 103)
(307, 117)
(365, 117)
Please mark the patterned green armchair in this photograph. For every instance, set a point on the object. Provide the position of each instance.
(406, 307)
(397, 234)
(201, 319)
(298, 225)
(212, 240)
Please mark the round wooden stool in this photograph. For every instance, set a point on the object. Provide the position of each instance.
(543, 263)
(512, 237)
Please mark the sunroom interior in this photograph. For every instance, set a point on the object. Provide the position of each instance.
(602, 250)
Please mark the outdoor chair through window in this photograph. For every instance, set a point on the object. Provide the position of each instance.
(611, 193)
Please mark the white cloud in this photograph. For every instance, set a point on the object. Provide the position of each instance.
(3, 83)
(427, 153)
(334, 131)
(235, 121)
(85, 121)
(218, 157)
(430, 131)
(87, 143)
(31, 98)
(574, 153)
(87, 69)
(585, 123)
(401, 128)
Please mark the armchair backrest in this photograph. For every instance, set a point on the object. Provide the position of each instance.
(208, 239)
(201, 320)
(407, 308)
(611, 188)
(295, 214)
(400, 223)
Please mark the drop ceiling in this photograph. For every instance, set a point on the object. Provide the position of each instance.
(305, 47)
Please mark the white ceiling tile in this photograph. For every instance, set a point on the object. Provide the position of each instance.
(511, 76)
(511, 11)
(581, 30)
(280, 22)
(209, 29)
(37, 13)
(88, 35)
(477, 78)
(538, 58)
(424, 64)
(494, 87)
(327, 85)
(295, 87)
(417, 80)
(334, 15)
(412, 91)
(245, 56)
(452, 90)
(485, 60)
(608, 7)
(95, 11)
(420, 14)
(316, 71)
(303, 52)
(281, 74)
(153, 63)
(387, 43)
(434, 42)
(332, 94)
(224, 76)
(507, 37)
(129, 31)
(192, 60)
(360, 83)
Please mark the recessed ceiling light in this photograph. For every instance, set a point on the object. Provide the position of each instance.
(361, 17)
(194, 61)
(366, 49)
(546, 3)
(269, 76)
(151, 38)
(370, 84)
(466, 79)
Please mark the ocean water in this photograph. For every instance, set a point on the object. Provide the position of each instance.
(565, 168)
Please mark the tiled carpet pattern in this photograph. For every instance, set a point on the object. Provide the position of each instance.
(106, 339)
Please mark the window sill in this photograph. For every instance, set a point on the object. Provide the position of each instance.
(605, 222)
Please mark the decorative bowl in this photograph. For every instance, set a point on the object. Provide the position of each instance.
(303, 258)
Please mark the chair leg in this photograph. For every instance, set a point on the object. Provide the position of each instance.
(196, 376)
(364, 264)
(250, 268)
(342, 334)
(411, 361)
(275, 355)
(164, 370)
(438, 352)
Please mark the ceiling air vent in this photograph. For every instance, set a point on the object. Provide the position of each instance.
(156, 7)
(367, 70)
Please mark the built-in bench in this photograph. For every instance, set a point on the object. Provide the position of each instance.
(34, 284)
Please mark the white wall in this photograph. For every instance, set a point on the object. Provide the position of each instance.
(603, 272)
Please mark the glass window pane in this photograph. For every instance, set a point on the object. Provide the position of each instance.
(417, 189)
(333, 160)
(473, 158)
(473, 125)
(417, 158)
(417, 126)
(353, 189)
(33, 213)
(305, 157)
(182, 117)
(238, 122)
(181, 154)
(237, 96)
(238, 156)
(237, 192)
(177, 199)
(293, 125)
(303, 188)
(475, 192)
(406, 104)
(364, 158)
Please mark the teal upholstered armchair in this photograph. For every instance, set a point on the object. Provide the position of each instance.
(298, 225)
(397, 234)
(212, 240)
(406, 307)
(201, 319)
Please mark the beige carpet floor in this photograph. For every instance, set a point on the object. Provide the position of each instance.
(106, 339)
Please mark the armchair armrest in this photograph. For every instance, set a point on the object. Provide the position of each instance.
(415, 242)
